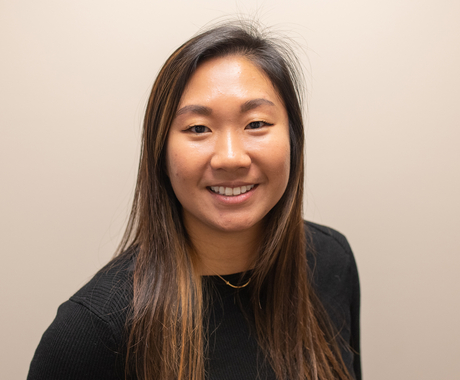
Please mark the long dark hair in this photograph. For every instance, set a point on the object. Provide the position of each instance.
(166, 334)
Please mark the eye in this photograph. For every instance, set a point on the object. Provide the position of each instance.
(257, 125)
(198, 129)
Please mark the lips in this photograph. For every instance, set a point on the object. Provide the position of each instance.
(231, 191)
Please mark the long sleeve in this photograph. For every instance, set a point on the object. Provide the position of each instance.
(77, 345)
(336, 280)
(87, 339)
(355, 323)
(354, 308)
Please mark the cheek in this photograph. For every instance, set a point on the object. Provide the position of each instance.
(173, 165)
(281, 166)
(285, 163)
(176, 159)
(279, 157)
(171, 170)
(177, 170)
(183, 168)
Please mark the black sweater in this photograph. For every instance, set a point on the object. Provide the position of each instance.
(87, 338)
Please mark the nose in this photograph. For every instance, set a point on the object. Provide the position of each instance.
(230, 152)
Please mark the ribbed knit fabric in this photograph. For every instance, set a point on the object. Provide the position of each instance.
(87, 338)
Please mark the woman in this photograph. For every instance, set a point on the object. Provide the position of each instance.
(218, 276)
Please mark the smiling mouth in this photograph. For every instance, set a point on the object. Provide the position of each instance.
(231, 191)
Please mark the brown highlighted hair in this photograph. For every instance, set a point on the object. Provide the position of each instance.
(166, 333)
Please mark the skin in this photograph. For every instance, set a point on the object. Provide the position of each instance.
(231, 130)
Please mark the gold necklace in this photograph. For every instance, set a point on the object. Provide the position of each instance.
(234, 286)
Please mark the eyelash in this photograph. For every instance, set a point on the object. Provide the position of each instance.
(264, 124)
(192, 128)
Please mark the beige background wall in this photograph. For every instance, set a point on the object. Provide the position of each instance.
(382, 151)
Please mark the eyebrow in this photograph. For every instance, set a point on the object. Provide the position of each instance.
(200, 110)
(254, 103)
(206, 111)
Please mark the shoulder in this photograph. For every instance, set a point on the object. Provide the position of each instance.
(331, 261)
(327, 246)
(85, 340)
(334, 276)
(327, 240)
(109, 293)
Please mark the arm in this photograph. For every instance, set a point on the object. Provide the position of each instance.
(336, 280)
(355, 324)
(77, 345)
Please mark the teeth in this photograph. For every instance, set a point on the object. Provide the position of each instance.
(231, 191)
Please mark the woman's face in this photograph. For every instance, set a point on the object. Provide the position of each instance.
(228, 151)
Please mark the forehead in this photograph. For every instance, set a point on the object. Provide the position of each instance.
(227, 76)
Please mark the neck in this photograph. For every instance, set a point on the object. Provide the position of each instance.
(222, 252)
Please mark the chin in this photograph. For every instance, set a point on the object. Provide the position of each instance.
(237, 226)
